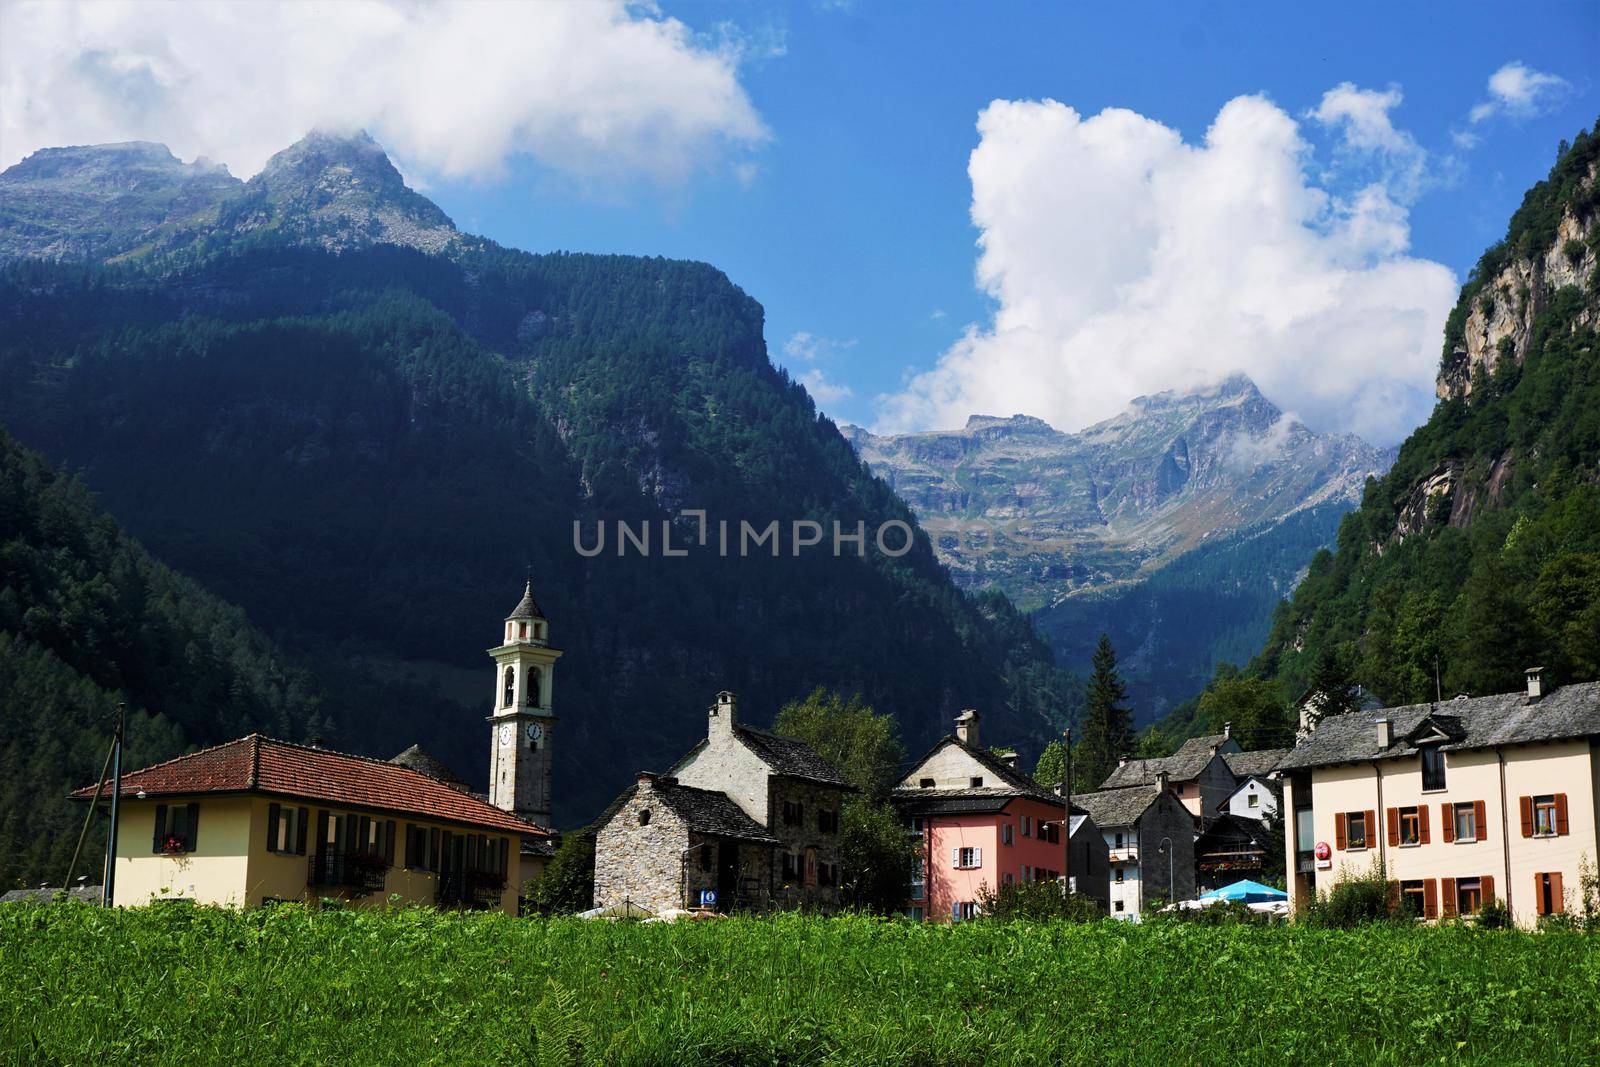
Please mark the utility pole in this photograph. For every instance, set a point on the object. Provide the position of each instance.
(108, 888)
(1066, 810)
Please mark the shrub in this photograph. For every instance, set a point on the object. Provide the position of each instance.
(1036, 902)
(1359, 901)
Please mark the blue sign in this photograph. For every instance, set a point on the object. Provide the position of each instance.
(708, 898)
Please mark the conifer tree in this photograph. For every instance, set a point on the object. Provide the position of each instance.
(1108, 722)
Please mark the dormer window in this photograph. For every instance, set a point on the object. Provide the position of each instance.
(1432, 768)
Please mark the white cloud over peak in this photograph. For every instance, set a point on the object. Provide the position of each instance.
(1518, 91)
(600, 90)
(1125, 261)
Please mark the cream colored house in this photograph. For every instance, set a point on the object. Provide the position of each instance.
(1474, 799)
(258, 820)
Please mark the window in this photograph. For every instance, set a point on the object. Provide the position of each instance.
(967, 858)
(1465, 822)
(1027, 872)
(286, 829)
(976, 781)
(1413, 898)
(1118, 906)
(1356, 830)
(916, 824)
(925, 783)
(1118, 872)
(644, 817)
(791, 867)
(914, 914)
(1007, 834)
(522, 631)
(918, 880)
(828, 822)
(1544, 816)
(963, 911)
(811, 866)
(510, 688)
(1027, 826)
(422, 848)
(1469, 895)
(1010, 878)
(1410, 826)
(1052, 832)
(535, 697)
(1119, 840)
(1252, 800)
(793, 813)
(1432, 769)
(177, 828)
(1549, 899)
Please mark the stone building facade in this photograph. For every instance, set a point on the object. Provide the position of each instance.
(746, 816)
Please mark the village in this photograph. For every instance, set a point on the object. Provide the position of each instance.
(1468, 806)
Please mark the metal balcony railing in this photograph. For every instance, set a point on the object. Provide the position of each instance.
(356, 869)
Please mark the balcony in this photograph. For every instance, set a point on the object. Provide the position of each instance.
(354, 869)
(473, 890)
(1126, 854)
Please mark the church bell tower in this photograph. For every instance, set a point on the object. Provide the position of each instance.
(520, 728)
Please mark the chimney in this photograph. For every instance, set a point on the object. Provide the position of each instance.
(1009, 759)
(1385, 733)
(1161, 781)
(1122, 760)
(724, 716)
(1227, 730)
(967, 728)
(646, 781)
(1535, 677)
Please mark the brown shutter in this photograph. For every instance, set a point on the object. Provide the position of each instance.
(160, 828)
(1339, 839)
(1558, 900)
(1447, 821)
(1561, 813)
(1538, 894)
(1526, 803)
(1448, 886)
(1372, 828)
(1480, 819)
(1422, 824)
(1487, 882)
(274, 813)
(1393, 815)
(1430, 898)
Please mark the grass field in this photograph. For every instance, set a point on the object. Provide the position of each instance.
(176, 984)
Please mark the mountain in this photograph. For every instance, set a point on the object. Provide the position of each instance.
(88, 618)
(1042, 514)
(365, 438)
(1478, 554)
(1175, 527)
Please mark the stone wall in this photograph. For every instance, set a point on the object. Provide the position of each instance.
(1167, 818)
(812, 797)
(641, 863)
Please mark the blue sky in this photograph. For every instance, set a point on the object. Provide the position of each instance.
(856, 226)
(818, 153)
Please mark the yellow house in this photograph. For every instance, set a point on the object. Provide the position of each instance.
(258, 820)
(1462, 802)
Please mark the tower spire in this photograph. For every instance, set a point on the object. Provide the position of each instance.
(522, 720)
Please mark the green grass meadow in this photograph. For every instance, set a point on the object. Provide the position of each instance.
(179, 984)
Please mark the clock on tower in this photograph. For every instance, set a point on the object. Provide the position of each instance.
(522, 720)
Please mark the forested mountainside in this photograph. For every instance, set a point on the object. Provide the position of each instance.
(1480, 549)
(366, 445)
(88, 618)
(1175, 527)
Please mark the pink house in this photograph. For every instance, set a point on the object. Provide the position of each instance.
(982, 823)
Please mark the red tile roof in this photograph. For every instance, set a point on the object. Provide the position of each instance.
(258, 764)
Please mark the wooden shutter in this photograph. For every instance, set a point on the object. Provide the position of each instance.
(300, 831)
(388, 842)
(1448, 886)
(977, 857)
(411, 845)
(1561, 813)
(1526, 803)
(160, 830)
(1339, 838)
(1447, 818)
(1372, 828)
(194, 826)
(1558, 899)
(1487, 882)
(274, 814)
(1480, 821)
(1422, 824)
(1430, 898)
(955, 857)
(1538, 891)
(1393, 816)
(433, 849)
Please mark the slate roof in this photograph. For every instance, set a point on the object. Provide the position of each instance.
(420, 759)
(1570, 711)
(1258, 763)
(1116, 807)
(527, 607)
(1182, 766)
(704, 811)
(961, 801)
(257, 764)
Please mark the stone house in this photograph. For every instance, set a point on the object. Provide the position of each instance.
(747, 816)
(1462, 802)
(1149, 834)
(982, 823)
(1198, 774)
(1232, 848)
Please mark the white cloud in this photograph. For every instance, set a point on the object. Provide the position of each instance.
(1362, 115)
(600, 90)
(808, 347)
(1126, 262)
(1518, 91)
(823, 391)
(807, 350)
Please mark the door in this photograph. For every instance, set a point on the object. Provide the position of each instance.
(727, 873)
